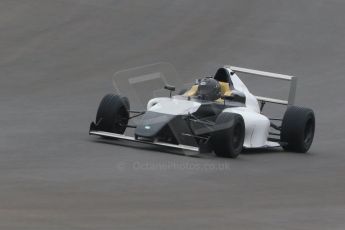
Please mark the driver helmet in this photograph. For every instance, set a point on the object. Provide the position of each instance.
(209, 89)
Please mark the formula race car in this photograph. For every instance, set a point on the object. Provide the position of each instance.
(217, 114)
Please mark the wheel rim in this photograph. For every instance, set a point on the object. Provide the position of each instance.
(237, 137)
(121, 120)
(309, 133)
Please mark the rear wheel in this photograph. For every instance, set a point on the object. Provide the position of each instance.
(228, 137)
(298, 127)
(113, 114)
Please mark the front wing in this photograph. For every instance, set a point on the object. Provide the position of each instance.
(132, 139)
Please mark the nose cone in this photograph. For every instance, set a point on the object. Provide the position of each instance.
(152, 123)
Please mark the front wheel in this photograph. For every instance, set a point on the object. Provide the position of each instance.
(113, 114)
(228, 136)
(298, 127)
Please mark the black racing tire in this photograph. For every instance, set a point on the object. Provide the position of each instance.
(298, 128)
(228, 137)
(113, 114)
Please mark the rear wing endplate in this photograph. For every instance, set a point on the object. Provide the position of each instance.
(291, 79)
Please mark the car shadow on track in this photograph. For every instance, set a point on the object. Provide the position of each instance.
(262, 151)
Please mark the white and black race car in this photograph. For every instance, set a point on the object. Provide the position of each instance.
(217, 114)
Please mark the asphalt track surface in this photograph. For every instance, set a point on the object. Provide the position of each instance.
(57, 59)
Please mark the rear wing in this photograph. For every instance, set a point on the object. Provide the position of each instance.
(291, 79)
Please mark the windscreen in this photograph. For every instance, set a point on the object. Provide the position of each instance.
(140, 84)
